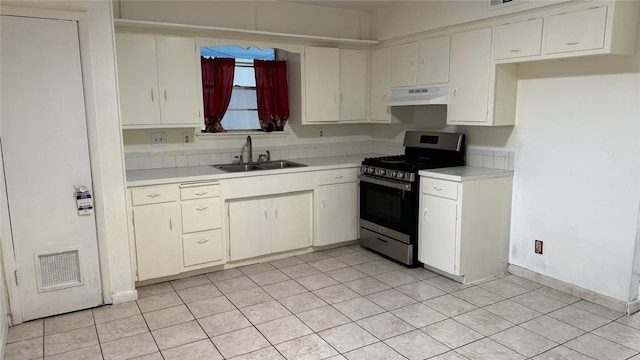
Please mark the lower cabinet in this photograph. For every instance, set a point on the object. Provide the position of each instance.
(336, 209)
(464, 226)
(157, 232)
(265, 225)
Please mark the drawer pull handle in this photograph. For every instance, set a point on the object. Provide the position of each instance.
(202, 241)
(200, 193)
(275, 212)
(514, 50)
(265, 214)
(338, 176)
(200, 208)
(572, 43)
(170, 223)
(438, 188)
(424, 214)
(154, 195)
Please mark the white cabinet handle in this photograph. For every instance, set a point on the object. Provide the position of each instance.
(412, 65)
(151, 95)
(154, 195)
(200, 193)
(170, 223)
(322, 203)
(572, 43)
(422, 62)
(275, 212)
(338, 176)
(438, 188)
(424, 214)
(265, 214)
(514, 50)
(165, 95)
(454, 92)
(202, 241)
(200, 208)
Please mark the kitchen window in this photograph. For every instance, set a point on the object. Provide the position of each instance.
(242, 113)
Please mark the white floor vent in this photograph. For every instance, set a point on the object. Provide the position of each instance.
(58, 270)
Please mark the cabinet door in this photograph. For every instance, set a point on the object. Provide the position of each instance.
(379, 86)
(437, 242)
(138, 79)
(575, 31)
(291, 222)
(433, 67)
(202, 248)
(322, 79)
(337, 218)
(157, 235)
(402, 71)
(178, 80)
(249, 228)
(353, 85)
(518, 39)
(470, 74)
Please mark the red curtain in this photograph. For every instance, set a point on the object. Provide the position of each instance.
(217, 85)
(273, 94)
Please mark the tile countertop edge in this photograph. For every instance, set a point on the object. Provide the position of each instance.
(465, 173)
(136, 178)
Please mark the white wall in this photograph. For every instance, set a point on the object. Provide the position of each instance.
(577, 178)
(4, 294)
(273, 16)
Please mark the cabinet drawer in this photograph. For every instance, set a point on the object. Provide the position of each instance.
(189, 192)
(202, 248)
(575, 31)
(337, 176)
(154, 195)
(201, 215)
(519, 39)
(445, 189)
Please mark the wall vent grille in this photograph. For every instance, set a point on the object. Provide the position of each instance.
(59, 270)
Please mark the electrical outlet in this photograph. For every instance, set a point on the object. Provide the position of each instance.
(187, 139)
(158, 139)
(538, 247)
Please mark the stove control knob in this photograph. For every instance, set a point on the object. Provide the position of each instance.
(382, 172)
(372, 170)
(400, 175)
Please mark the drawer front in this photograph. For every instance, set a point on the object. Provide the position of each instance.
(154, 195)
(445, 189)
(519, 39)
(337, 176)
(201, 216)
(579, 30)
(202, 248)
(199, 192)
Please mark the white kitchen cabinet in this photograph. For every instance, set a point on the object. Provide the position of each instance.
(575, 31)
(379, 86)
(157, 78)
(433, 61)
(353, 85)
(402, 68)
(156, 229)
(336, 208)
(335, 85)
(480, 93)
(464, 226)
(423, 63)
(261, 226)
(518, 39)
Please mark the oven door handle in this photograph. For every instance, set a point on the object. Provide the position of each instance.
(391, 184)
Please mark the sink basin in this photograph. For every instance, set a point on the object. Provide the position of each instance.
(271, 165)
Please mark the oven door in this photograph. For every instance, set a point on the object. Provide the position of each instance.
(390, 204)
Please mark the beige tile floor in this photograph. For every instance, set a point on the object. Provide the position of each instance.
(344, 303)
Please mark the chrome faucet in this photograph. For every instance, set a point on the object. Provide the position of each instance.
(249, 147)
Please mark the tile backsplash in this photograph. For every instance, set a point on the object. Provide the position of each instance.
(143, 160)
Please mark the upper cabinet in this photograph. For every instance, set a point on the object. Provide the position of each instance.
(421, 63)
(379, 86)
(479, 92)
(335, 85)
(575, 31)
(157, 80)
(519, 39)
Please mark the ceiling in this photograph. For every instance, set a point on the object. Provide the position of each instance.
(362, 5)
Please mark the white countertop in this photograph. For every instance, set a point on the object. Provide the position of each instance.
(465, 173)
(209, 173)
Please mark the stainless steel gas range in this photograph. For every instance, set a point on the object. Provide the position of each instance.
(389, 192)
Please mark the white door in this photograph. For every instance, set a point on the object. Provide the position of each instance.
(45, 149)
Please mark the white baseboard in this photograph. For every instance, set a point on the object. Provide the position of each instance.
(124, 296)
(603, 300)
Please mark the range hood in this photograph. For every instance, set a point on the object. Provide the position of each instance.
(419, 96)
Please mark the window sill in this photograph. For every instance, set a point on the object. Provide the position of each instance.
(243, 134)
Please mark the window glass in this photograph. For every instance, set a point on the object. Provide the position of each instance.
(242, 113)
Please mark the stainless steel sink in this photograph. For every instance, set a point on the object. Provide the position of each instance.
(271, 165)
